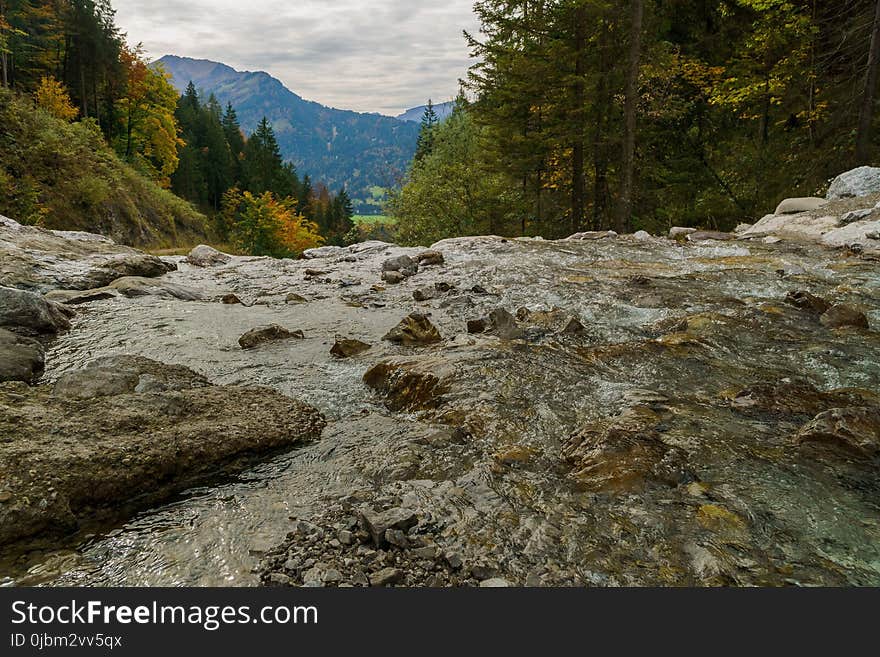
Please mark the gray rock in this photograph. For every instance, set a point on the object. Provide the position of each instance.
(21, 359)
(403, 264)
(206, 256)
(494, 583)
(43, 260)
(393, 277)
(642, 235)
(263, 334)
(862, 181)
(31, 312)
(397, 538)
(798, 205)
(377, 524)
(680, 233)
(386, 577)
(425, 293)
(138, 286)
(120, 375)
(415, 329)
(855, 215)
(430, 258)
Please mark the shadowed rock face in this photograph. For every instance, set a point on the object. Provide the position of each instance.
(702, 427)
(125, 433)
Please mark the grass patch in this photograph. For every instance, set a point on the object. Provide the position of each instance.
(366, 219)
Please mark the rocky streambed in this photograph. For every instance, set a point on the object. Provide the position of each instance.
(604, 410)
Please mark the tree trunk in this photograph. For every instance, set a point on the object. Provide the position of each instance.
(866, 115)
(578, 182)
(630, 112)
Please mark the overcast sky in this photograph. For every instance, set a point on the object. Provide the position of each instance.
(366, 55)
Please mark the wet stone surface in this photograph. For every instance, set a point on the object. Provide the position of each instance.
(693, 427)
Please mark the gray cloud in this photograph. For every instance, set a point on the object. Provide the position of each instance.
(367, 55)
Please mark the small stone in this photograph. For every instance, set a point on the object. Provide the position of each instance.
(479, 289)
(397, 538)
(393, 277)
(377, 524)
(428, 552)
(5, 496)
(454, 560)
(503, 324)
(444, 287)
(295, 298)
(332, 576)
(360, 579)
(347, 347)
(403, 264)
(843, 315)
(430, 258)
(230, 300)
(279, 580)
(424, 293)
(494, 583)
(261, 335)
(414, 329)
(386, 577)
(345, 537)
(806, 301)
(574, 327)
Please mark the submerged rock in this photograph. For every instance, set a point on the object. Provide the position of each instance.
(21, 359)
(347, 347)
(843, 315)
(854, 430)
(414, 329)
(68, 461)
(263, 334)
(411, 384)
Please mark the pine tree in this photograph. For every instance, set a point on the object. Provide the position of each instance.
(426, 133)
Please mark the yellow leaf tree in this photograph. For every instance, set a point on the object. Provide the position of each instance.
(53, 97)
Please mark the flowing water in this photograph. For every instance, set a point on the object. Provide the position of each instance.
(743, 506)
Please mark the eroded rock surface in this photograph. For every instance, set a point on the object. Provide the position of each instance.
(126, 433)
(698, 425)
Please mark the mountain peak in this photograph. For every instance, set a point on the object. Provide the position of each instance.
(337, 147)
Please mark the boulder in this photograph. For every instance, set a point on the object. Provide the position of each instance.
(31, 312)
(347, 347)
(138, 286)
(798, 205)
(414, 329)
(862, 181)
(21, 359)
(263, 334)
(206, 256)
(642, 236)
(73, 460)
(843, 315)
(410, 384)
(680, 233)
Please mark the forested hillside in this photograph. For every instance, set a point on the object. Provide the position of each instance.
(643, 114)
(339, 148)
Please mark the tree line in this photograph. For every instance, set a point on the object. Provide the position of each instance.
(70, 56)
(589, 114)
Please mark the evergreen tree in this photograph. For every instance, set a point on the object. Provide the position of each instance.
(426, 134)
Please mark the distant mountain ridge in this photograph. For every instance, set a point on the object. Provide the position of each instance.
(414, 115)
(336, 147)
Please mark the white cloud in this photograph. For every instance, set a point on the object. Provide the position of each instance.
(367, 55)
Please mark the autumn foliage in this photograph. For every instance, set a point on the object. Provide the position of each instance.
(52, 96)
(260, 224)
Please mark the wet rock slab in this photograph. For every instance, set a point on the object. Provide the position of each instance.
(127, 433)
